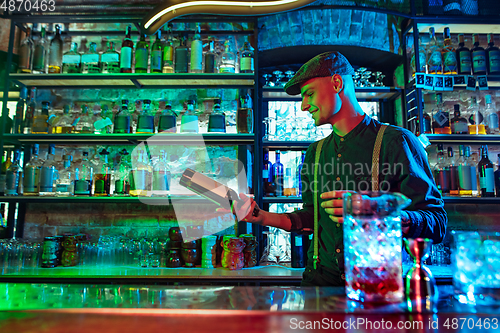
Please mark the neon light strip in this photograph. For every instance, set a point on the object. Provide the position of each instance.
(216, 3)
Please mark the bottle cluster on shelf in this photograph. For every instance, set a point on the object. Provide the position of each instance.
(469, 174)
(103, 118)
(170, 55)
(282, 180)
(447, 56)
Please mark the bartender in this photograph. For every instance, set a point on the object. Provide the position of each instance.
(345, 164)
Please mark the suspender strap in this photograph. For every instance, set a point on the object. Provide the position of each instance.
(376, 158)
(315, 202)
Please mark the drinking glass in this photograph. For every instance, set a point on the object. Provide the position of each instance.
(278, 76)
(372, 246)
(268, 82)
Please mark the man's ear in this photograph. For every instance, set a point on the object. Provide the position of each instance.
(337, 82)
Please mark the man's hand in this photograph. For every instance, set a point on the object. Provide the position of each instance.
(334, 208)
(245, 209)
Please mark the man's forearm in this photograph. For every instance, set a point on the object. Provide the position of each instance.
(276, 220)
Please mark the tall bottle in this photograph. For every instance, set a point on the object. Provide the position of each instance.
(26, 53)
(140, 184)
(85, 124)
(168, 53)
(299, 173)
(126, 52)
(497, 177)
(40, 54)
(490, 117)
(463, 56)
(459, 125)
(492, 56)
(41, 120)
(168, 120)
(227, 60)
(454, 179)
(65, 183)
(474, 175)
(464, 173)
(64, 124)
(442, 172)
(146, 121)
(197, 51)
(434, 59)
(267, 175)
(56, 52)
(157, 54)
(278, 175)
(181, 56)
(90, 60)
(3, 171)
(122, 119)
(448, 53)
(288, 184)
(475, 118)
(18, 118)
(246, 57)
(72, 60)
(32, 173)
(217, 119)
(298, 249)
(189, 120)
(84, 174)
(30, 112)
(102, 176)
(14, 177)
(141, 55)
(486, 174)
(478, 55)
(441, 124)
(122, 175)
(110, 60)
(48, 174)
(244, 114)
(161, 176)
(211, 58)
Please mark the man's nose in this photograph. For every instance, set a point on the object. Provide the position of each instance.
(304, 106)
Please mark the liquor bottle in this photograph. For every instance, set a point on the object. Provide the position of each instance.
(464, 173)
(197, 51)
(459, 124)
(298, 250)
(227, 60)
(246, 57)
(299, 173)
(168, 53)
(475, 118)
(464, 63)
(104, 121)
(492, 56)
(64, 124)
(48, 174)
(434, 59)
(146, 121)
(56, 52)
(14, 177)
(244, 114)
(90, 60)
(472, 161)
(18, 118)
(102, 176)
(84, 124)
(441, 124)
(122, 175)
(141, 55)
(40, 54)
(65, 183)
(84, 174)
(442, 172)
(490, 117)
(32, 173)
(3, 171)
(267, 175)
(41, 120)
(189, 120)
(157, 54)
(122, 119)
(448, 53)
(126, 52)
(30, 112)
(422, 59)
(9, 123)
(478, 55)
(181, 56)
(278, 175)
(217, 119)
(110, 60)
(288, 184)
(454, 179)
(161, 176)
(486, 174)
(211, 58)
(26, 53)
(72, 60)
(497, 177)
(140, 184)
(168, 120)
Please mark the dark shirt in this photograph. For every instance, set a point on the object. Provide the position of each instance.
(345, 164)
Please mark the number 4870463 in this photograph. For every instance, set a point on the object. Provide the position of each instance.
(28, 5)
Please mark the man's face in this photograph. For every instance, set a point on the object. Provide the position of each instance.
(320, 98)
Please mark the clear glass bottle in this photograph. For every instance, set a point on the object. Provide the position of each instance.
(157, 54)
(181, 56)
(476, 124)
(84, 174)
(217, 119)
(244, 115)
(122, 119)
(41, 120)
(464, 62)
(26, 53)
(85, 124)
(122, 175)
(140, 184)
(90, 60)
(65, 183)
(454, 180)
(211, 58)
(299, 173)
(102, 176)
(56, 52)
(422, 58)
(32, 173)
(6, 163)
(486, 174)
(246, 57)
(20, 106)
(189, 120)
(48, 174)
(104, 122)
(161, 176)
(72, 60)
(442, 172)
(141, 55)
(492, 56)
(472, 161)
(227, 60)
(464, 173)
(197, 51)
(459, 124)
(267, 175)
(434, 59)
(278, 175)
(146, 120)
(168, 120)
(168, 53)
(478, 55)
(126, 52)
(64, 124)
(14, 177)
(30, 112)
(441, 116)
(490, 117)
(448, 53)
(110, 60)
(40, 54)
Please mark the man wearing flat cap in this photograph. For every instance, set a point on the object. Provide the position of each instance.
(357, 146)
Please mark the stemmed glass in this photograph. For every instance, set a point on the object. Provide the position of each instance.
(268, 82)
(379, 79)
(289, 75)
(279, 75)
